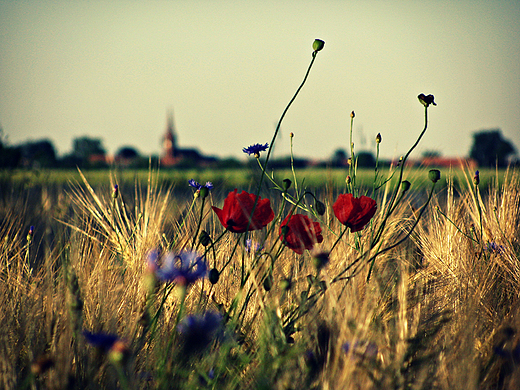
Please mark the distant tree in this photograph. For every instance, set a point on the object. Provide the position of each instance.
(339, 158)
(489, 149)
(38, 154)
(88, 152)
(127, 153)
(431, 154)
(84, 147)
(365, 160)
(10, 156)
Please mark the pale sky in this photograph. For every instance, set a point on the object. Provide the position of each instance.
(227, 69)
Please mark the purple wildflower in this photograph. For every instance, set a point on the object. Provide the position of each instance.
(255, 149)
(361, 349)
(252, 247)
(104, 341)
(198, 186)
(494, 247)
(203, 378)
(197, 331)
(184, 267)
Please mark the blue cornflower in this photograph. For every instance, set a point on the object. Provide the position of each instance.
(184, 267)
(255, 149)
(197, 331)
(111, 344)
(494, 247)
(361, 349)
(104, 341)
(198, 186)
(252, 247)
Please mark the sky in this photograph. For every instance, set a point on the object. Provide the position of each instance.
(227, 69)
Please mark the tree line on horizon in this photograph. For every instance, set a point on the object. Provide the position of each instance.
(489, 150)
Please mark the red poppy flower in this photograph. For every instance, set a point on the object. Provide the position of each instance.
(235, 216)
(353, 212)
(300, 232)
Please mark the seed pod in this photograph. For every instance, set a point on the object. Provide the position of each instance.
(434, 175)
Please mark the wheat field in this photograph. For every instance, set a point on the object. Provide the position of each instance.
(439, 310)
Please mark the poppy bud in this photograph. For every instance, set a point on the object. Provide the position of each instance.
(214, 276)
(348, 180)
(352, 114)
(320, 207)
(286, 184)
(378, 138)
(405, 185)
(318, 44)
(286, 284)
(320, 260)
(434, 175)
(204, 192)
(119, 352)
(204, 238)
(291, 135)
(42, 364)
(268, 282)
(76, 304)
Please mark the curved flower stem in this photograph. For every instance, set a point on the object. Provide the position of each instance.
(456, 227)
(292, 169)
(212, 248)
(394, 201)
(276, 134)
(153, 323)
(379, 252)
(406, 157)
(183, 221)
(287, 108)
(285, 195)
(477, 199)
(338, 239)
(376, 169)
(199, 223)
(500, 228)
(353, 164)
(232, 253)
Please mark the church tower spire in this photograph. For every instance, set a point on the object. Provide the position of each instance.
(170, 151)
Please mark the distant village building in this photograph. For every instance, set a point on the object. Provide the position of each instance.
(172, 155)
(440, 162)
(448, 162)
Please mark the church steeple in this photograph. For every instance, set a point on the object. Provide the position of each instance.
(169, 143)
